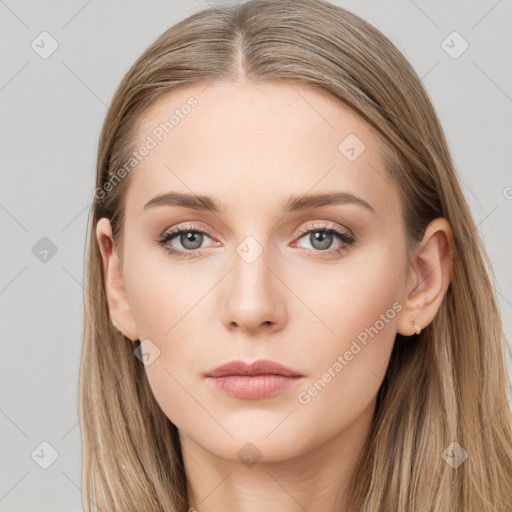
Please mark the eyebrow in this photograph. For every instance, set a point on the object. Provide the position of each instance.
(293, 204)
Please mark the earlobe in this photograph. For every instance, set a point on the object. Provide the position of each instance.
(119, 307)
(429, 278)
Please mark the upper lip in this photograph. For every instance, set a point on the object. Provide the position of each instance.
(260, 367)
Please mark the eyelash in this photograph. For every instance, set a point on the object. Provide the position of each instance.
(347, 240)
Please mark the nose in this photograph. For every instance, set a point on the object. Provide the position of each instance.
(254, 298)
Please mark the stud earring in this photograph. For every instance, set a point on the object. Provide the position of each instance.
(417, 327)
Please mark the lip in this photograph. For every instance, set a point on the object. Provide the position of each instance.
(253, 381)
(260, 367)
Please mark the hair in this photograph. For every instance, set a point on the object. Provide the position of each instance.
(449, 384)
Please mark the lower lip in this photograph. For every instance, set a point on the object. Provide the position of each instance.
(253, 387)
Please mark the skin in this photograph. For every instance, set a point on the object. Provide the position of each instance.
(251, 147)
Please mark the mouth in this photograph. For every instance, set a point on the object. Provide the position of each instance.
(253, 381)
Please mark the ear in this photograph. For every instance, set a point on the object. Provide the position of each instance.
(428, 278)
(119, 306)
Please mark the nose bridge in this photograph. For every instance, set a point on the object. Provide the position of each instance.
(251, 268)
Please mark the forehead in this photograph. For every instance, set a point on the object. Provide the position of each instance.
(250, 144)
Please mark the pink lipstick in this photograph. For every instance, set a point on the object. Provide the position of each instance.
(253, 381)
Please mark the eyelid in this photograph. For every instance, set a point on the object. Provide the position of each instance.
(187, 227)
(325, 226)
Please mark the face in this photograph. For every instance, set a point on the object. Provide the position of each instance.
(270, 273)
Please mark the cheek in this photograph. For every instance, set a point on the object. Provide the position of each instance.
(165, 302)
(352, 296)
(161, 292)
(360, 307)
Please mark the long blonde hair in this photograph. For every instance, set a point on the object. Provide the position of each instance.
(449, 385)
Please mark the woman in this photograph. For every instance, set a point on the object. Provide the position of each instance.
(288, 303)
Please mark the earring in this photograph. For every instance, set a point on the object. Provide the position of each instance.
(417, 327)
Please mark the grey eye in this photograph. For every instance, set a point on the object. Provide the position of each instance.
(191, 240)
(320, 240)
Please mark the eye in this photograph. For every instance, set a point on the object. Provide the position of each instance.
(189, 238)
(321, 238)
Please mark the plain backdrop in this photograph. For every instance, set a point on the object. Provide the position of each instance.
(52, 109)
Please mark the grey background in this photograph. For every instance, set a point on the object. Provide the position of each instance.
(51, 113)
